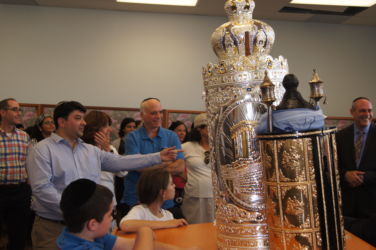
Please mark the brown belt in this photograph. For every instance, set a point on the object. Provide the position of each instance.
(56, 221)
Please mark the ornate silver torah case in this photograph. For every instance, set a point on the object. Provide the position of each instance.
(233, 101)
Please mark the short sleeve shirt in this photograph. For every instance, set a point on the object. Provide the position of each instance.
(68, 241)
(138, 142)
(142, 212)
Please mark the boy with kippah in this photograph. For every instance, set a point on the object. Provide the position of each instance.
(87, 210)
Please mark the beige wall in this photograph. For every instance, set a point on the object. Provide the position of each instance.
(111, 58)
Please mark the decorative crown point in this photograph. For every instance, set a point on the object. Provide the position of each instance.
(239, 8)
(267, 80)
(315, 77)
(267, 90)
(317, 91)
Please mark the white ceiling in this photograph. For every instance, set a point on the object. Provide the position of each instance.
(265, 9)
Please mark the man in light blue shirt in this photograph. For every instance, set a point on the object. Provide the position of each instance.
(62, 158)
(150, 138)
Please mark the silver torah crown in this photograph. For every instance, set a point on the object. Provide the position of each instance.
(233, 101)
(243, 45)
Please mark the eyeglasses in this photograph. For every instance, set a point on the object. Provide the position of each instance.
(207, 157)
(15, 109)
(49, 122)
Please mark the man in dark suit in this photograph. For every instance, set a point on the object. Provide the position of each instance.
(356, 147)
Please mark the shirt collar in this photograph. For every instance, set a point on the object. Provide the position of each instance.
(144, 133)
(3, 132)
(70, 238)
(57, 138)
(365, 130)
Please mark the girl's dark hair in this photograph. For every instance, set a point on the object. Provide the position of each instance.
(195, 134)
(176, 124)
(95, 120)
(34, 133)
(151, 182)
(123, 124)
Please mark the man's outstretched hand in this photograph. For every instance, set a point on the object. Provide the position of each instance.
(169, 154)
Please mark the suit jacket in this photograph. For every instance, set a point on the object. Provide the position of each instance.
(358, 202)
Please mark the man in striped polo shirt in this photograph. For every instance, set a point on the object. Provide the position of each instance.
(15, 193)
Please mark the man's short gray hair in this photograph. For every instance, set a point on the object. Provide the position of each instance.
(357, 99)
(142, 106)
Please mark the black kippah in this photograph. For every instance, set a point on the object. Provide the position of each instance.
(290, 81)
(77, 193)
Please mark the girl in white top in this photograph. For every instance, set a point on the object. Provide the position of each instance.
(154, 187)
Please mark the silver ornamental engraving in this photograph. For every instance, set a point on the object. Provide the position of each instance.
(233, 101)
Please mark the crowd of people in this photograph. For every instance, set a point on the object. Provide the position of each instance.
(67, 172)
(141, 176)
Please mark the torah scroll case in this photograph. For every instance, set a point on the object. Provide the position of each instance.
(233, 101)
(303, 192)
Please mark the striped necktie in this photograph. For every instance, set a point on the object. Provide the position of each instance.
(358, 145)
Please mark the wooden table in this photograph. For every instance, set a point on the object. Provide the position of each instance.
(204, 236)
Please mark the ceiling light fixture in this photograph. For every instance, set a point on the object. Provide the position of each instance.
(357, 3)
(162, 2)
